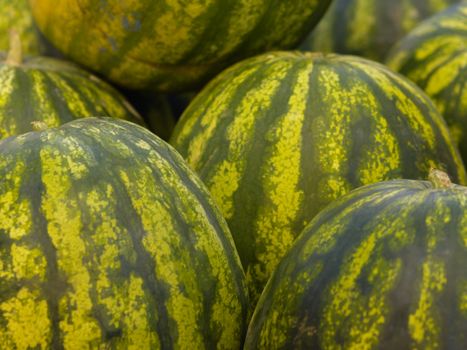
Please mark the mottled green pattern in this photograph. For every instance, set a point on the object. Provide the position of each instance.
(434, 55)
(369, 28)
(171, 44)
(54, 92)
(381, 268)
(15, 14)
(279, 136)
(108, 241)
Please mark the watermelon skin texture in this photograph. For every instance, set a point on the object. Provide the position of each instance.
(109, 241)
(369, 28)
(434, 56)
(171, 45)
(381, 268)
(278, 137)
(54, 92)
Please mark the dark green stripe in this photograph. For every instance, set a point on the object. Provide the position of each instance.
(156, 290)
(214, 32)
(249, 196)
(57, 99)
(129, 42)
(451, 315)
(410, 147)
(18, 107)
(208, 289)
(54, 286)
(214, 154)
(350, 238)
(404, 296)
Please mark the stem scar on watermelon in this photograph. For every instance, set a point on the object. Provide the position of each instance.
(439, 179)
(39, 125)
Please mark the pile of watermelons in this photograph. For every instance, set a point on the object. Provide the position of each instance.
(309, 199)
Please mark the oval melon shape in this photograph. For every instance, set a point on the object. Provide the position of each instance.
(278, 137)
(109, 241)
(171, 45)
(381, 268)
(52, 91)
(434, 56)
(369, 28)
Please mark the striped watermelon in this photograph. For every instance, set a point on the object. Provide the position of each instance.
(381, 268)
(108, 241)
(54, 92)
(171, 45)
(434, 55)
(279, 136)
(369, 28)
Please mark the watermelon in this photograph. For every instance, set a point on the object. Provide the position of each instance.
(279, 136)
(171, 45)
(434, 55)
(369, 28)
(52, 91)
(381, 268)
(109, 241)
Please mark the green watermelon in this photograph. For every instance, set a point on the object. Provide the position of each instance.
(369, 28)
(381, 268)
(279, 136)
(108, 241)
(42, 89)
(434, 55)
(171, 45)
